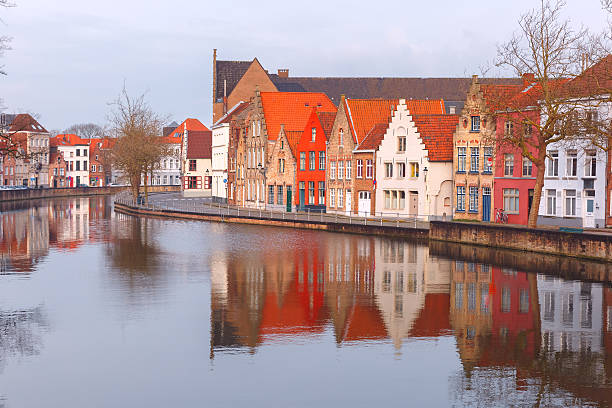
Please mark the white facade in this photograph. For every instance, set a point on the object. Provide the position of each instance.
(168, 171)
(408, 184)
(574, 192)
(77, 163)
(220, 145)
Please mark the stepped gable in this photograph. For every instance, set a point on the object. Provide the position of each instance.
(292, 109)
(364, 114)
(231, 72)
(199, 144)
(437, 132)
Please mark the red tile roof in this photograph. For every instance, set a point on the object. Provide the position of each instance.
(327, 122)
(365, 113)
(374, 137)
(498, 96)
(22, 122)
(596, 80)
(192, 124)
(68, 139)
(199, 144)
(437, 132)
(293, 137)
(292, 109)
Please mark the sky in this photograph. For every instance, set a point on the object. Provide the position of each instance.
(71, 58)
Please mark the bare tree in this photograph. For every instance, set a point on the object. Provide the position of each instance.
(550, 48)
(138, 146)
(4, 40)
(87, 130)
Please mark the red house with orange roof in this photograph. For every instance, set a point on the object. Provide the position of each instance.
(310, 154)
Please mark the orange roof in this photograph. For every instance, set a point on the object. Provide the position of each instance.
(363, 114)
(327, 122)
(437, 132)
(293, 137)
(68, 139)
(596, 80)
(373, 138)
(365, 322)
(498, 96)
(192, 124)
(292, 109)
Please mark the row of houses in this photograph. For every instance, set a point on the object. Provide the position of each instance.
(432, 156)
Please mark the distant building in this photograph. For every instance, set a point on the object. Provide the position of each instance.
(197, 173)
(75, 153)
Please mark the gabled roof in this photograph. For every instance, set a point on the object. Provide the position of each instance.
(437, 132)
(199, 144)
(498, 95)
(228, 75)
(177, 134)
(363, 114)
(22, 122)
(68, 139)
(597, 80)
(327, 122)
(373, 138)
(239, 107)
(291, 109)
(293, 138)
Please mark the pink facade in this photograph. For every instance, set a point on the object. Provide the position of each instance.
(515, 176)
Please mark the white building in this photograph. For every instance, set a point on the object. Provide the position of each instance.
(574, 192)
(220, 146)
(76, 155)
(414, 167)
(196, 160)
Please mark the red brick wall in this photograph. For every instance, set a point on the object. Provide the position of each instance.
(337, 151)
(364, 184)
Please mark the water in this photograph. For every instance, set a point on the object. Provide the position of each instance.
(103, 310)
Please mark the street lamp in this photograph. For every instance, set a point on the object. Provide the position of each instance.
(262, 171)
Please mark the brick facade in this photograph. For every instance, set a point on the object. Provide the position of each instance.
(608, 208)
(362, 184)
(280, 177)
(339, 149)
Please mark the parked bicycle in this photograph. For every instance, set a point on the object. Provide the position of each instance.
(500, 216)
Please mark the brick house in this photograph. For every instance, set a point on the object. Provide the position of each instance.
(197, 166)
(100, 162)
(364, 157)
(239, 124)
(57, 169)
(473, 150)
(311, 160)
(282, 169)
(609, 191)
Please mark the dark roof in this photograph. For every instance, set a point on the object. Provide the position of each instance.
(449, 89)
(22, 122)
(230, 72)
(327, 122)
(233, 112)
(199, 144)
(373, 137)
(437, 132)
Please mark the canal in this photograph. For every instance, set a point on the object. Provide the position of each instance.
(99, 309)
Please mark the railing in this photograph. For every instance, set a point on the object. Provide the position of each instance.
(207, 207)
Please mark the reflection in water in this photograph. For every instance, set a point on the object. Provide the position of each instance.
(506, 337)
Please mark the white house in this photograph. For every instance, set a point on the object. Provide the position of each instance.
(220, 146)
(574, 192)
(414, 165)
(76, 154)
(196, 159)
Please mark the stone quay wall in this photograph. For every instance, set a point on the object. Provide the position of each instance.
(34, 194)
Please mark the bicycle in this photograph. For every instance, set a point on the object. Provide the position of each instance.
(500, 216)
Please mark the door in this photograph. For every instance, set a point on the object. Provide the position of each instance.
(289, 198)
(78, 181)
(364, 204)
(589, 213)
(486, 204)
(413, 208)
(349, 201)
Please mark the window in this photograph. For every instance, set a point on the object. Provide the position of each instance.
(572, 163)
(192, 165)
(341, 136)
(590, 164)
(394, 199)
(551, 202)
(475, 124)
(340, 169)
(460, 198)
(192, 182)
(570, 203)
(302, 187)
(388, 170)
(414, 170)
(55, 171)
(474, 159)
(322, 160)
(332, 170)
(311, 192)
(270, 194)
(473, 199)
(282, 145)
(302, 160)
(340, 198)
(527, 167)
(401, 170)
(523, 301)
(281, 165)
(313, 137)
(401, 143)
(93, 168)
(488, 159)
(61, 171)
(508, 165)
(527, 129)
(369, 171)
(321, 193)
(553, 164)
(461, 153)
(349, 167)
(279, 195)
(312, 160)
(509, 128)
(332, 197)
(78, 152)
(359, 168)
(506, 300)
(511, 200)
(78, 165)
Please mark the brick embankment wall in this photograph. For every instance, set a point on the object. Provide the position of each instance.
(33, 194)
(409, 233)
(578, 245)
(566, 267)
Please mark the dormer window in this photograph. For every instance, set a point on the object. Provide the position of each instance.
(314, 134)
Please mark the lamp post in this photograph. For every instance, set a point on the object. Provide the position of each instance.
(262, 171)
(425, 170)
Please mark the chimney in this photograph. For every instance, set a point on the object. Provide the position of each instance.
(283, 73)
(474, 79)
(528, 78)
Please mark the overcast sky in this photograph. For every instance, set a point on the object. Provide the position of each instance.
(71, 57)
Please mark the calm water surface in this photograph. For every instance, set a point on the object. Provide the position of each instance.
(103, 310)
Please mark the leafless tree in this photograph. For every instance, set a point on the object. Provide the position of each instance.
(549, 47)
(87, 130)
(138, 146)
(4, 40)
